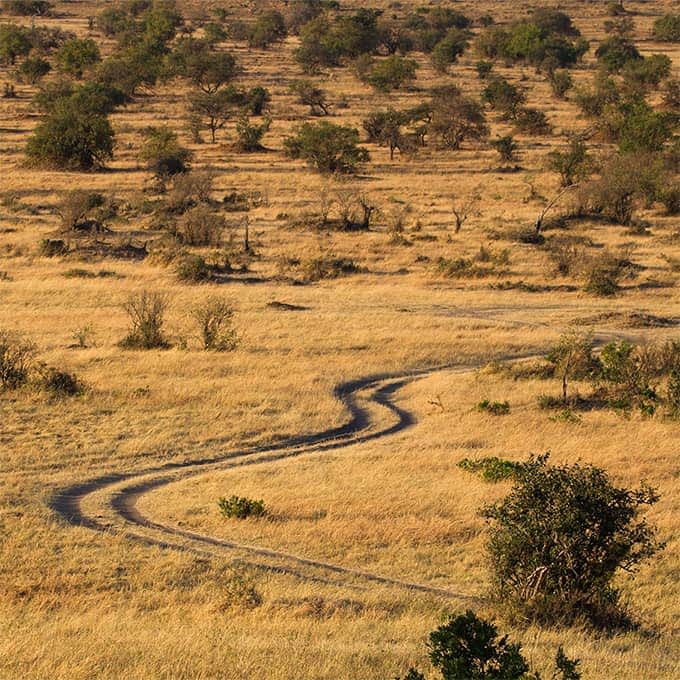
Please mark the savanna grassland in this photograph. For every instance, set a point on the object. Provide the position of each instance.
(372, 535)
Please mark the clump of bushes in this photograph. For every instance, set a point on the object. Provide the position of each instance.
(240, 507)
(490, 468)
(16, 359)
(495, 408)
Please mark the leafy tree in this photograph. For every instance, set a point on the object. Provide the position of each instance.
(309, 94)
(215, 107)
(639, 128)
(327, 147)
(395, 37)
(72, 138)
(615, 52)
(14, 42)
(207, 69)
(559, 538)
(572, 359)
(592, 101)
(269, 27)
(573, 164)
(448, 49)
(667, 28)
(503, 96)
(456, 117)
(641, 74)
(114, 21)
(392, 73)
(553, 21)
(135, 67)
(76, 55)
(163, 153)
(385, 128)
(33, 69)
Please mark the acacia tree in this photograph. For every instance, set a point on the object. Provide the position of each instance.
(207, 69)
(572, 359)
(456, 118)
(327, 147)
(215, 107)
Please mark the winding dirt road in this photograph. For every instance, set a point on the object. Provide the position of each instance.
(110, 503)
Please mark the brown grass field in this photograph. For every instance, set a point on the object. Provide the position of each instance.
(77, 603)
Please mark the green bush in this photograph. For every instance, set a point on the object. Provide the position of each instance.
(327, 147)
(28, 7)
(506, 148)
(268, 28)
(33, 70)
(240, 507)
(448, 49)
(162, 152)
(15, 42)
(193, 269)
(503, 96)
(495, 408)
(615, 52)
(557, 517)
(76, 55)
(667, 28)
(392, 73)
(466, 647)
(249, 135)
(490, 469)
(72, 138)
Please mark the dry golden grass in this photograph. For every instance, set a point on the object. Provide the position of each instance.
(81, 604)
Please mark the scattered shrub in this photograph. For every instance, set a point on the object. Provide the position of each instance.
(15, 42)
(16, 359)
(52, 247)
(556, 517)
(28, 7)
(147, 316)
(391, 73)
(162, 152)
(490, 469)
(33, 69)
(532, 122)
(240, 507)
(309, 94)
(215, 321)
(506, 148)
(250, 135)
(76, 55)
(495, 408)
(193, 269)
(58, 382)
(200, 226)
(268, 28)
(667, 28)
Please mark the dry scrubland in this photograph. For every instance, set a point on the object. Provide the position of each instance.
(80, 604)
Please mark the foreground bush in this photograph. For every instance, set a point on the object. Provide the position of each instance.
(559, 538)
(467, 647)
(215, 322)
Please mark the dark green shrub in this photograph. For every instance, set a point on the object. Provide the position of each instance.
(147, 317)
(573, 164)
(532, 122)
(240, 507)
(28, 7)
(602, 278)
(193, 269)
(249, 135)
(506, 148)
(448, 49)
(490, 469)
(15, 42)
(215, 322)
(615, 52)
(162, 152)
(76, 55)
(58, 382)
(16, 359)
(557, 517)
(503, 96)
(327, 147)
(667, 28)
(268, 28)
(392, 73)
(198, 62)
(495, 408)
(310, 95)
(484, 69)
(33, 70)
(72, 138)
